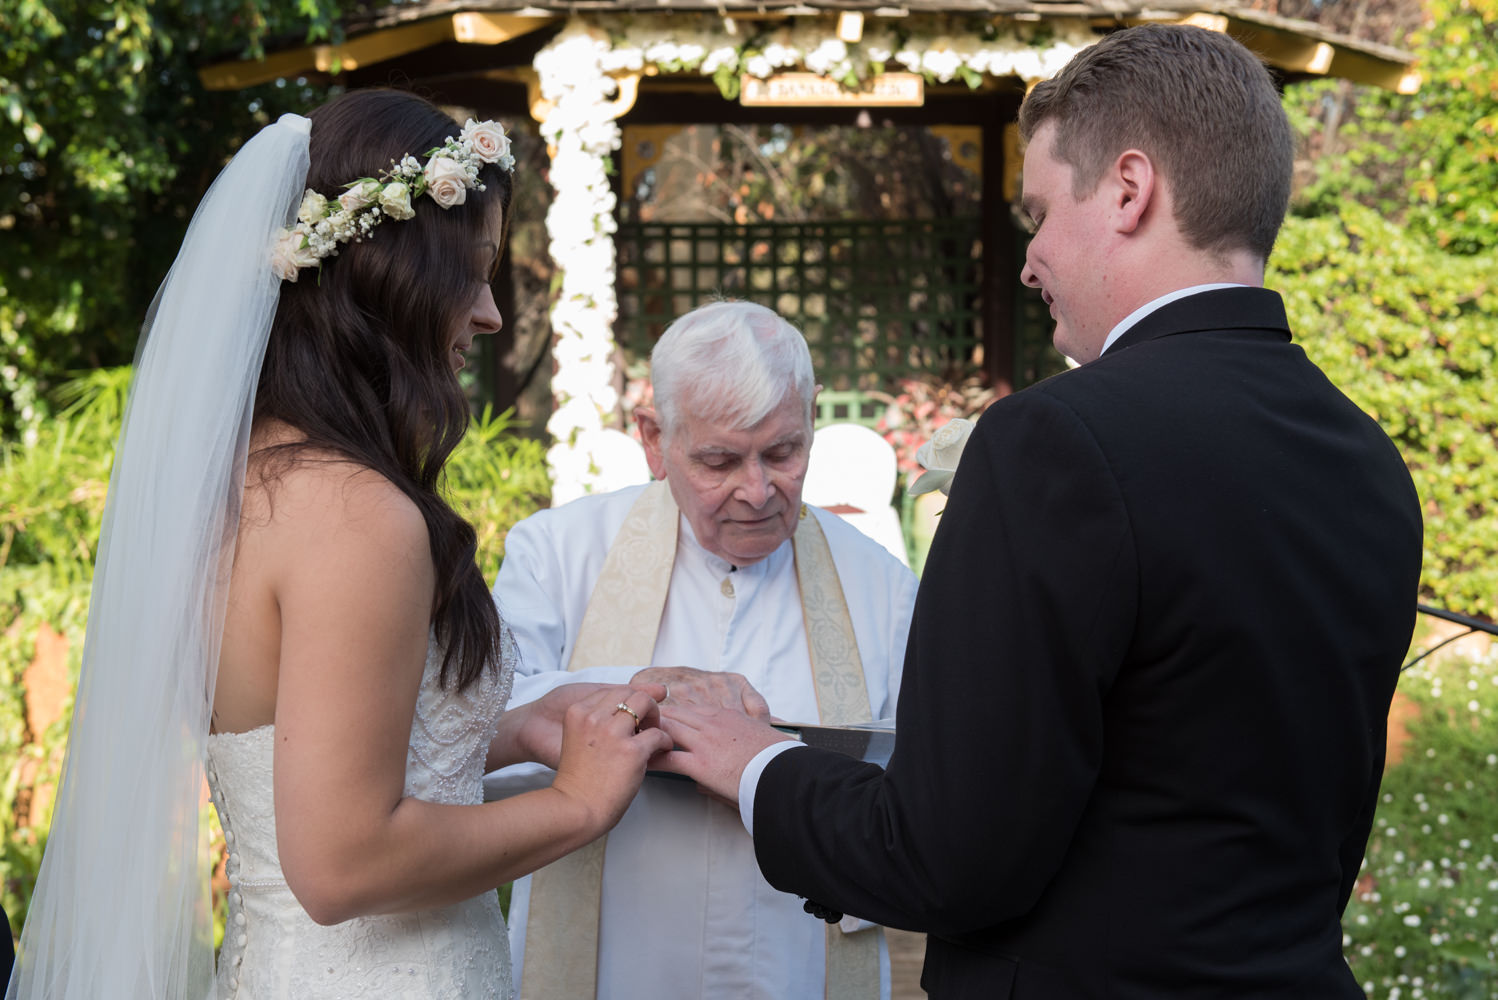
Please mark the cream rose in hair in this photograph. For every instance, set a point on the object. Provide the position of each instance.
(314, 206)
(487, 139)
(395, 199)
(288, 255)
(360, 194)
(447, 182)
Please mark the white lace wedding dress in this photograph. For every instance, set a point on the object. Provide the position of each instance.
(272, 949)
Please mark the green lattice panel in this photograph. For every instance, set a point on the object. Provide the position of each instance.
(875, 299)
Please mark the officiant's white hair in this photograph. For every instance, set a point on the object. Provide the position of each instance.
(729, 362)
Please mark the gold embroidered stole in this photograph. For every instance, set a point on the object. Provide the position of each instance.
(842, 698)
(619, 628)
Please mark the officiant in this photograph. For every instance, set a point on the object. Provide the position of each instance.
(718, 582)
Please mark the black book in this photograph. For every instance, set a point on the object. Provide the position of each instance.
(867, 742)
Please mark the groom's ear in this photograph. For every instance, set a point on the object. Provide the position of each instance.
(1132, 188)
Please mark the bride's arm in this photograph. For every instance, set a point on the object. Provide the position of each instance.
(350, 569)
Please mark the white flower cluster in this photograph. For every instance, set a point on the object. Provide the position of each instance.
(939, 48)
(451, 171)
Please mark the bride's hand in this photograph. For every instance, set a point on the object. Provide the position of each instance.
(605, 748)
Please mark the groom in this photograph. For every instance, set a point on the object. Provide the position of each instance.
(1143, 709)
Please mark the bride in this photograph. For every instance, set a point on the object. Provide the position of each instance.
(283, 593)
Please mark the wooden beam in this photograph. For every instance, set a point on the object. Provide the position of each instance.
(466, 27)
(1300, 55)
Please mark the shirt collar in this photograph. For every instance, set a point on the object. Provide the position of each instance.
(1129, 321)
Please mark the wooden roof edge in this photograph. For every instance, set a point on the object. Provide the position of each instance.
(1301, 48)
(409, 12)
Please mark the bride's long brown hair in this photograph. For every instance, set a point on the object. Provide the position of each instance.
(359, 356)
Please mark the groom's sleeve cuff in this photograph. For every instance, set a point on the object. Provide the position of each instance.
(749, 780)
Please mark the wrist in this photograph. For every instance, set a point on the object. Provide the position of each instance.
(514, 739)
(580, 820)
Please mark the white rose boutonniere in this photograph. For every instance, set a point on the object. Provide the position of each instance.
(447, 183)
(940, 455)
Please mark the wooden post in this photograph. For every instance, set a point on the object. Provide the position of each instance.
(1000, 262)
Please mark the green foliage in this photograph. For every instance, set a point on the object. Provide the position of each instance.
(495, 478)
(109, 139)
(51, 506)
(1423, 920)
(1429, 160)
(1410, 332)
(52, 493)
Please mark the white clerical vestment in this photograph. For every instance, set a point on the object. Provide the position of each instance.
(685, 911)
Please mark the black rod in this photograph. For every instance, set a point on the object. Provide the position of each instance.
(1476, 624)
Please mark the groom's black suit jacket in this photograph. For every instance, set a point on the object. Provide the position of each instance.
(1141, 727)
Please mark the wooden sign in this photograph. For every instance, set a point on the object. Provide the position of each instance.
(808, 90)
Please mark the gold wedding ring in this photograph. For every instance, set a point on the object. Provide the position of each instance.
(621, 707)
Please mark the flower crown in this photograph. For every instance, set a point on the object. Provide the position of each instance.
(451, 170)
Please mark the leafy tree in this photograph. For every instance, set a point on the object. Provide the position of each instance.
(107, 140)
(1428, 160)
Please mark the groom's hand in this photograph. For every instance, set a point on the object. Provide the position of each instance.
(707, 687)
(713, 745)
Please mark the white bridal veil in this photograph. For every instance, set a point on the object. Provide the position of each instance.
(121, 905)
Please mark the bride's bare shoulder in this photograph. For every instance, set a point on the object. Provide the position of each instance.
(293, 490)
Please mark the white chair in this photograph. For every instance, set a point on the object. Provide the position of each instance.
(852, 473)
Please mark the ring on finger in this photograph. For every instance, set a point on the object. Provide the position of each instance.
(621, 707)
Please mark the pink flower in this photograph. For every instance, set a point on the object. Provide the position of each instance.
(447, 183)
(360, 193)
(290, 254)
(488, 140)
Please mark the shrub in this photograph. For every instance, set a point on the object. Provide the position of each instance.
(1423, 918)
(1410, 333)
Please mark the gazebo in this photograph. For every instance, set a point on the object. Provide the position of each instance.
(612, 85)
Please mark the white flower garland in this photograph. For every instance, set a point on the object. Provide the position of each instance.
(581, 226)
(451, 171)
(577, 70)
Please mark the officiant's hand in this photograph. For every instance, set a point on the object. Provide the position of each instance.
(713, 745)
(688, 685)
